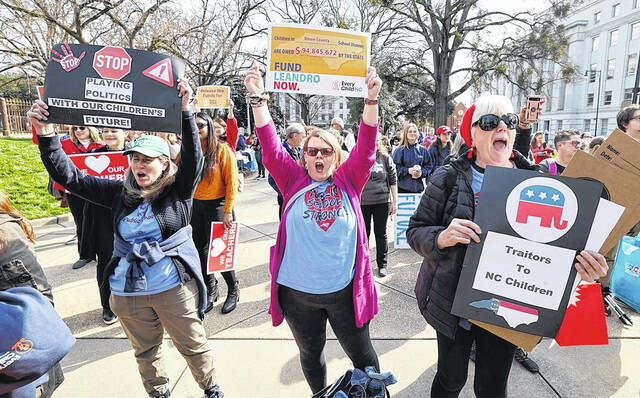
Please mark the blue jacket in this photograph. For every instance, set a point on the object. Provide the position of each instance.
(434, 154)
(407, 157)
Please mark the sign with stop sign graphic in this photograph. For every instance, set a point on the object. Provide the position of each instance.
(112, 63)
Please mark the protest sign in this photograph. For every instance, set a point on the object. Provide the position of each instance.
(213, 97)
(307, 59)
(622, 151)
(88, 85)
(521, 274)
(106, 165)
(407, 205)
(222, 248)
(620, 187)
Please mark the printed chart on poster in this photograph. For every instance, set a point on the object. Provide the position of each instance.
(223, 247)
(115, 87)
(520, 276)
(307, 59)
(210, 97)
(407, 205)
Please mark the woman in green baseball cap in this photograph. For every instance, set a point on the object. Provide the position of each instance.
(155, 277)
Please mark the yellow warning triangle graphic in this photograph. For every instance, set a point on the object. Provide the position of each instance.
(161, 72)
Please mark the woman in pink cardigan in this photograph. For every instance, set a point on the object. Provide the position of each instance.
(320, 266)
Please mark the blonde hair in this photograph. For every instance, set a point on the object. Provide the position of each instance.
(329, 139)
(404, 141)
(134, 193)
(6, 207)
(94, 134)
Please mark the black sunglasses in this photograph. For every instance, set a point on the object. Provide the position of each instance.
(201, 125)
(491, 122)
(325, 152)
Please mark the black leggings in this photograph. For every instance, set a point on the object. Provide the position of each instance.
(493, 364)
(204, 213)
(380, 214)
(307, 315)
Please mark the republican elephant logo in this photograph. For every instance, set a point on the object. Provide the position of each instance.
(542, 202)
(541, 209)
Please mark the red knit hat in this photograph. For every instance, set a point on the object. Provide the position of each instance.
(443, 130)
(465, 127)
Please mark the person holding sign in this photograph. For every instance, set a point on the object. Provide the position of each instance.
(213, 202)
(155, 278)
(82, 139)
(440, 231)
(320, 267)
(97, 227)
(412, 161)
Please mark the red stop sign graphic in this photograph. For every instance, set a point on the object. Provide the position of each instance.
(112, 63)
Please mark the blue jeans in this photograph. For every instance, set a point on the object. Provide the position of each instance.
(307, 315)
(493, 364)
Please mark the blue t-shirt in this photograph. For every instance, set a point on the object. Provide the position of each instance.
(320, 251)
(139, 226)
(476, 184)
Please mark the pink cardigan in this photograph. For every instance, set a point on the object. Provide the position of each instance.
(351, 177)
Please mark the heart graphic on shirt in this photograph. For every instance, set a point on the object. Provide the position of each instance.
(97, 163)
(217, 247)
(325, 206)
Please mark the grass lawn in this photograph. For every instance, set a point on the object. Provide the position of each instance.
(24, 179)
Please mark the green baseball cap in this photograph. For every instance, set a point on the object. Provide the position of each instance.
(149, 145)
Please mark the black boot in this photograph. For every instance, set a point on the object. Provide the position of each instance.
(212, 291)
(213, 392)
(233, 296)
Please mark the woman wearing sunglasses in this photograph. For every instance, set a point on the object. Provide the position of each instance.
(82, 139)
(97, 226)
(320, 267)
(213, 202)
(440, 231)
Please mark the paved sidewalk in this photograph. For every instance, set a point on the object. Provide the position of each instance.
(255, 359)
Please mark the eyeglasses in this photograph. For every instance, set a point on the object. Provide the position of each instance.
(325, 152)
(574, 143)
(490, 122)
(76, 128)
(201, 125)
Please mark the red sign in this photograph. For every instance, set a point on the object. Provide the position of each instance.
(161, 72)
(107, 165)
(222, 248)
(112, 62)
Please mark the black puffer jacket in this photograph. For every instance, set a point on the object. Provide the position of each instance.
(448, 195)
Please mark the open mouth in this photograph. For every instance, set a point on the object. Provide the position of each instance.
(141, 176)
(319, 166)
(500, 143)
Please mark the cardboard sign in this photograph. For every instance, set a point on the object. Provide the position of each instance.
(622, 151)
(407, 206)
(317, 60)
(222, 248)
(106, 165)
(113, 87)
(620, 187)
(213, 97)
(520, 276)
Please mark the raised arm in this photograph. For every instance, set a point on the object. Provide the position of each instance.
(61, 169)
(191, 160)
(358, 166)
(274, 157)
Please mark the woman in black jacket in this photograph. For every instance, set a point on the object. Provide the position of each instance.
(440, 231)
(441, 147)
(155, 277)
(97, 227)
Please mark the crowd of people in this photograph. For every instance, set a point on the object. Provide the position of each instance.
(150, 233)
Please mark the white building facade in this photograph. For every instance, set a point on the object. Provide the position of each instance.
(604, 37)
(322, 109)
